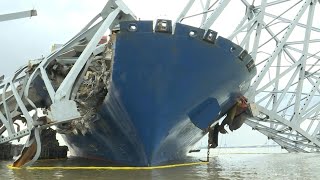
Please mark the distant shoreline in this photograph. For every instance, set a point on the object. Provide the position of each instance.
(256, 146)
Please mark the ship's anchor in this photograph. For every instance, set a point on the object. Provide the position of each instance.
(235, 118)
(236, 115)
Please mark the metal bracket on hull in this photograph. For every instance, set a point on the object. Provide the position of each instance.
(52, 85)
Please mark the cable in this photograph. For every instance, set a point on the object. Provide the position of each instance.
(283, 13)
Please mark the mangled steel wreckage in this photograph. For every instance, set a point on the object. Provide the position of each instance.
(143, 97)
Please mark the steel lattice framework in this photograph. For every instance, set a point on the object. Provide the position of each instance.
(283, 37)
(17, 97)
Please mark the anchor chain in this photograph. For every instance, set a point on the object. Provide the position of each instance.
(208, 153)
(210, 142)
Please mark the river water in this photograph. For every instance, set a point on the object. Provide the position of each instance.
(221, 166)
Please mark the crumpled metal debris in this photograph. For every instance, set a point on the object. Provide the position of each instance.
(90, 90)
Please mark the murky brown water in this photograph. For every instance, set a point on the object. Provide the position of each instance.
(224, 166)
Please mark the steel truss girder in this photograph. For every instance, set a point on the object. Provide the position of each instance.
(293, 141)
(206, 21)
(279, 47)
(276, 119)
(272, 96)
(17, 99)
(284, 99)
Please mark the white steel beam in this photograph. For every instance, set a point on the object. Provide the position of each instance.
(297, 115)
(300, 51)
(184, 11)
(289, 124)
(263, 98)
(273, 134)
(310, 95)
(315, 108)
(259, 28)
(8, 126)
(278, 48)
(273, 3)
(64, 90)
(206, 8)
(277, 42)
(84, 34)
(289, 21)
(17, 15)
(285, 90)
(246, 38)
(47, 83)
(22, 106)
(212, 18)
(245, 3)
(276, 84)
(295, 65)
(302, 42)
(6, 109)
(316, 131)
(240, 29)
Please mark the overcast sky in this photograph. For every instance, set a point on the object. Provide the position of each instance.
(30, 38)
(59, 20)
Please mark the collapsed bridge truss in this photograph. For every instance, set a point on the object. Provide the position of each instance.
(74, 77)
(282, 36)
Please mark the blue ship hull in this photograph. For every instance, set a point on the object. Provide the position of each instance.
(166, 89)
